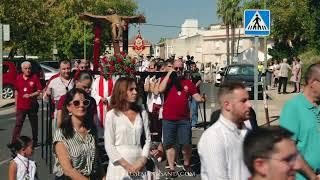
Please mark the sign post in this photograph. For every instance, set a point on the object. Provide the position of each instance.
(256, 23)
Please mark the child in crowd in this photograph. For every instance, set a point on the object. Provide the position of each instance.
(22, 167)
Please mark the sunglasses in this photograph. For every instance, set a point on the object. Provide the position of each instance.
(131, 89)
(180, 68)
(85, 103)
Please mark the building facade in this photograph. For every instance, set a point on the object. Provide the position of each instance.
(207, 46)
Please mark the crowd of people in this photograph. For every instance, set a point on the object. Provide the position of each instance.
(278, 73)
(144, 122)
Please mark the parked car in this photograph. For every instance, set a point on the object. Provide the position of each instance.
(11, 68)
(52, 64)
(48, 71)
(218, 77)
(9, 73)
(242, 73)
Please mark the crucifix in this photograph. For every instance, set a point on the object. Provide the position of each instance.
(119, 30)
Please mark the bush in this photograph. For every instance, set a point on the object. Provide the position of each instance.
(307, 58)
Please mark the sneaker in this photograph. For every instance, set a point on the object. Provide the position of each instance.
(170, 174)
(189, 171)
(167, 165)
(179, 164)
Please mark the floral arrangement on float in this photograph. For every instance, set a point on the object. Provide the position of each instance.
(118, 65)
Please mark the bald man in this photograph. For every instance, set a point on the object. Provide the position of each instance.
(301, 115)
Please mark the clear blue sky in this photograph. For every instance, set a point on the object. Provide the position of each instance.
(173, 13)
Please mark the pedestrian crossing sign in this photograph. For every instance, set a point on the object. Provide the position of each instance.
(257, 22)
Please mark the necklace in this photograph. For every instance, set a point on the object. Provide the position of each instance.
(66, 86)
(27, 176)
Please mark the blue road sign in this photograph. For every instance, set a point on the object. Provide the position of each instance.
(257, 22)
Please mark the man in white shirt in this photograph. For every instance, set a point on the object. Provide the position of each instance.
(220, 146)
(283, 76)
(59, 86)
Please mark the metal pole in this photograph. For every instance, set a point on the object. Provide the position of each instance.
(1, 41)
(47, 133)
(255, 61)
(50, 134)
(265, 53)
(42, 127)
(204, 113)
(84, 42)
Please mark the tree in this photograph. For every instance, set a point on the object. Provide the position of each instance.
(293, 25)
(235, 20)
(230, 13)
(37, 24)
(222, 8)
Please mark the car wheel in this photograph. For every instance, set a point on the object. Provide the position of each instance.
(8, 92)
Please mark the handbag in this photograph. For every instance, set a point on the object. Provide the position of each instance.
(150, 165)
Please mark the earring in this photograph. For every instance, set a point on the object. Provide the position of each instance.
(70, 113)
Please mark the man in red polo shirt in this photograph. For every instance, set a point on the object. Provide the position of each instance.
(176, 123)
(27, 89)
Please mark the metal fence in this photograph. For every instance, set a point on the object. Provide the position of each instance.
(46, 132)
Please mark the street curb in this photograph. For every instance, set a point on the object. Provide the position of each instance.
(7, 105)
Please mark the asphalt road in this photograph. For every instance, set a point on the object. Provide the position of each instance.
(7, 122)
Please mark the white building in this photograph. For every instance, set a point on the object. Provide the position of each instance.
(207, 46)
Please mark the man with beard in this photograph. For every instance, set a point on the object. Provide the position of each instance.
(27, 89)
(59, 86)
(176, 115)
(270, 154)
(220, 146)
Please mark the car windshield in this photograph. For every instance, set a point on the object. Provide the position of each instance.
(241, 70)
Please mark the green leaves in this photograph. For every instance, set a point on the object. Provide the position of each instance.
(36, 24)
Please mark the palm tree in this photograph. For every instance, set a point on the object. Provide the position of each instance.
(222, 13)
(235, 20)
(230, 13)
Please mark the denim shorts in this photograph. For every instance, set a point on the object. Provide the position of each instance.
(176, 132)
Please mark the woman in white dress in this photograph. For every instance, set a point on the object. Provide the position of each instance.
(124, 126)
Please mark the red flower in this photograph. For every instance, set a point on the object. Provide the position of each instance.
(104, 60)
(123, 53)
(119, 60)
(111, 63)
(111, 68)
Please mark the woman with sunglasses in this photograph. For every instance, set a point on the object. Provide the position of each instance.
(74, 142)
(125, 124)
(83, 81)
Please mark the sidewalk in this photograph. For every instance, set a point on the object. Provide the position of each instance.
(6, 102)
(275, 104)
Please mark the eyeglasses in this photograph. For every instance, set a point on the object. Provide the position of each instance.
(288, 160)
(85, 103)
(180, 68)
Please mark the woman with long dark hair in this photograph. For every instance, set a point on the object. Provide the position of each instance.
(75, 141)
(125, 124)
